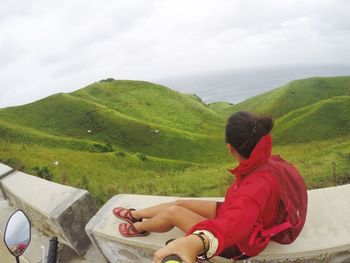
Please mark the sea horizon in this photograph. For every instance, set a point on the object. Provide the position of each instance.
(237, 85)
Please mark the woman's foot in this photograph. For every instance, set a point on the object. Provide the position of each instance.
(126, 214)
(128, 230)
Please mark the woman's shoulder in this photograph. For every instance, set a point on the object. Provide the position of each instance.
(263, 178)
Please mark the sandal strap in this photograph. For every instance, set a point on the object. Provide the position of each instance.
(131, 217)
(125, 213)
(127, 229)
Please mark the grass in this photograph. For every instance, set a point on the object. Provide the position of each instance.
(111, 173)
(154, 104)
(69, 116)
(325, 119)
(295, 95)
(108, 174)
(222, 108)
(137, 137)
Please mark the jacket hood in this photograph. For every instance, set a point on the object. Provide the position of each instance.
(259, 155)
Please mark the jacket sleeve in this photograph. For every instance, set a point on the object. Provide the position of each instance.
(242, 210)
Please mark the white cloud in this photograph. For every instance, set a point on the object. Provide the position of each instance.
(57, 46)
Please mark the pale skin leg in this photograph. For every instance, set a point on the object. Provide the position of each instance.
(182, 214)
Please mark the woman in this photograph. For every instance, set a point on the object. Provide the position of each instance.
(219, 228)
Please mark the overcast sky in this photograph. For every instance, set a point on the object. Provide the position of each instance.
(48, 47)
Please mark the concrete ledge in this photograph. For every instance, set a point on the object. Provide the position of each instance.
(4, 169)
(325, 238)
(55, 209)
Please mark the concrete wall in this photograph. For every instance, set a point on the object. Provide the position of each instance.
(325, 238)
(54, 209)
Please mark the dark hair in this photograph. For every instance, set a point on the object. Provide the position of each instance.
(244, 130)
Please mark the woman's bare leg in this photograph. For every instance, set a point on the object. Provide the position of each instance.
(174, 215)
(150, 212)
(203, 208)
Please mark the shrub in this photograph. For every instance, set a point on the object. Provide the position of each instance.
(102, 148)
(342, 179)
(43, 172)
(64, 178)
(142, 156)
(107, 80)
(84, 182)
(9, 162)
(120, 154)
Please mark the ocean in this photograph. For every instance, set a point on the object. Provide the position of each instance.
(238, 85)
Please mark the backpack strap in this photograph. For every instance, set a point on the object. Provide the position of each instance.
(258, 228)
(261, 235)
(281, 227)
(276, 229)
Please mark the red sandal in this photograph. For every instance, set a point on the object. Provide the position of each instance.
(128, 230)
(125, 214)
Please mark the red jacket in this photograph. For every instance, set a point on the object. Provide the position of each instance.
(251, 199)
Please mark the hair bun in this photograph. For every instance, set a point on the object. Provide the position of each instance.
(244, 130)
(264, 125)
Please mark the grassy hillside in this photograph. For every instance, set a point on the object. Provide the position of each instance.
(12, 132)
(304, 110)
(222, 108)
(323, 120)
(295, 95)
(137, 137)
(117, 136)
(117, 113)
(107, 174)
(153, 104)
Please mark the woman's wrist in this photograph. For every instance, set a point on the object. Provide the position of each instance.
(197, 244)
(210, 243)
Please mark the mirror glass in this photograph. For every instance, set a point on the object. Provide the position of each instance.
(17, 233)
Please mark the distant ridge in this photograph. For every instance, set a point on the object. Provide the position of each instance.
(326, 119)
(305, 110)
(297, 94)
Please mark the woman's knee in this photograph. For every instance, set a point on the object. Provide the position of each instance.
(180, 202)
(171, 211)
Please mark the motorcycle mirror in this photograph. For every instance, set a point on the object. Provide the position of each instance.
(17, 233)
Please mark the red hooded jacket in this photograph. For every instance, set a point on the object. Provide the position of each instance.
(252, 198)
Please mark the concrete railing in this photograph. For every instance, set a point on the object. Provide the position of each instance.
(325, 238)
(54, 209)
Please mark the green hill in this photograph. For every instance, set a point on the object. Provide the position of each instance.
(304, 110)
(323, 120)
(222, 108)
(295, 95)
(154, 104)
(126, 115)
(118, 136)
